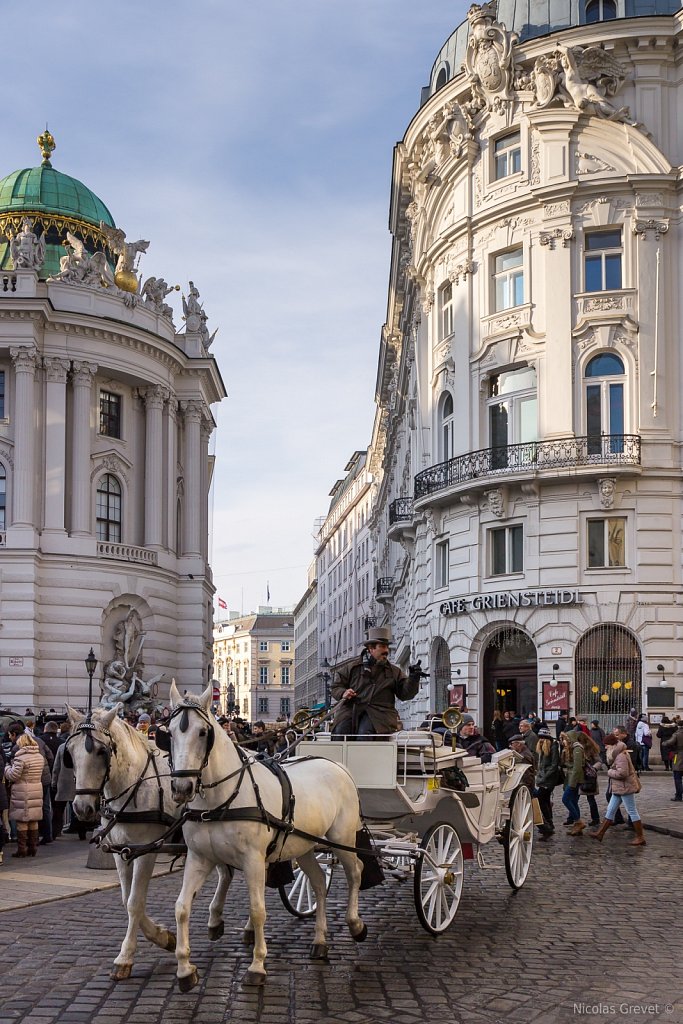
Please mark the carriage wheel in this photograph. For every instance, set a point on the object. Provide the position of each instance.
(438, 881)
(518, 837)
(298, 896)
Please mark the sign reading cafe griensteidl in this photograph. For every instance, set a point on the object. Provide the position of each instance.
(509, 599)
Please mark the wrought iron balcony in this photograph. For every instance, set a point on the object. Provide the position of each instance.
(385, 586)
(401, 511)
(607, 450)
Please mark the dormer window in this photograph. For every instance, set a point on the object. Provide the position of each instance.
(600, 10)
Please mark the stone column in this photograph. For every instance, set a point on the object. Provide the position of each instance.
(56, 369)
(82, 378)
(192, 463)
(154, 463)
(172, 475)
(206, 428)
(24, 360)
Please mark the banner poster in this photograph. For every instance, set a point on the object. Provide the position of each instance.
(556, 696)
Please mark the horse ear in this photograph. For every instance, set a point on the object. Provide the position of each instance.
(75, 717)
(205, 697)
(174, 694)
(107, 717)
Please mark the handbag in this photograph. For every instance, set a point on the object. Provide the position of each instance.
(647, 740)
(589, 786)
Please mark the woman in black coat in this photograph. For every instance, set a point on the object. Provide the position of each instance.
(664, 733)
(4, 804)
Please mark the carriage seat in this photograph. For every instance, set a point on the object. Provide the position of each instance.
(424, 753)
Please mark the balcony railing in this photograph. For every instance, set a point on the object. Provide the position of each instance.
(401, 511)
(126, 553)
(532, 457)
(385, 586)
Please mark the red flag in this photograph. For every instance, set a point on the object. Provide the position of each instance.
(222, 603)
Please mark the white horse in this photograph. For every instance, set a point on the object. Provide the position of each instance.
(209, 771)
(110, 758)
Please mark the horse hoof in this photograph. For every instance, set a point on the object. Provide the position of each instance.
(360, 936)
(248, 937)
(170, 942)
(187, 983)
(319, 951)
(121, 972)
(216, 931)
(254, 979)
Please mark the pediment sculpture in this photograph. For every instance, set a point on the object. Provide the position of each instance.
(580, 78)
(488, 64)
(26, 249)
(123, 682)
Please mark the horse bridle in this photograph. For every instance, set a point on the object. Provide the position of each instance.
(163, 739)
(88, 727)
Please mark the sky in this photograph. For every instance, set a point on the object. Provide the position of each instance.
(252, 144)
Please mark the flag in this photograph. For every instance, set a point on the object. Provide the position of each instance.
(222, 603)
(267, 593)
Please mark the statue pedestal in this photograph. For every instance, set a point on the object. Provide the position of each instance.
(99, 860)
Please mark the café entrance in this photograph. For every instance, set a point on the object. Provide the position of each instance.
(510, 675)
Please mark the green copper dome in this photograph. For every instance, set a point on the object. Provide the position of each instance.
(56, 204)
(44, 190)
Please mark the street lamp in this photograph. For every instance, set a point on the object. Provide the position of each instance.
(90, 666)
(231, 699)
(556, 668)
(662, 681)
(326, 680)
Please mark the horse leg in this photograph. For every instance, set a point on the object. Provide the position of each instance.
(309, 864)
(215, 924)
(248, 933)
(254, 869)
(353, 870)
(197, 870)
(124, 961)
(137, 903)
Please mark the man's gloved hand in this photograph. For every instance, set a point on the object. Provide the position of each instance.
(415, 671)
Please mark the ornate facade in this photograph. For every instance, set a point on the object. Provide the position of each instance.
(527, 438)
(254, 664)
(104, 464)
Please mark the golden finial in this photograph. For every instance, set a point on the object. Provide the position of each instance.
(47, 144)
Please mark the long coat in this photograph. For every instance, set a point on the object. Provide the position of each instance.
(378, 686)
(622, 773)
(63, 778)
(675, 745)
(26, 798)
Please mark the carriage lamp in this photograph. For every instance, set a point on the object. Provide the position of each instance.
(90, 666)
(662, 681)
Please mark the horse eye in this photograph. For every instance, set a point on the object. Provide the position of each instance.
(202, 732)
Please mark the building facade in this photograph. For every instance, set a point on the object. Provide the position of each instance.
(105, 418)
(309, 688)
(253, 661)
(527, 439)
(345, 568)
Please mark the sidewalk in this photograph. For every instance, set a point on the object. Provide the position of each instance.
(58, 871)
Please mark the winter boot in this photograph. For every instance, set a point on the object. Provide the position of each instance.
(599, 835)
(640, 838)
(32, 838)
(22, 843)
(577, 829)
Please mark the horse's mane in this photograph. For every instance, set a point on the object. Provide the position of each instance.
(138, 739)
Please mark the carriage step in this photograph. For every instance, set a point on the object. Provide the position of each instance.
(487, 867)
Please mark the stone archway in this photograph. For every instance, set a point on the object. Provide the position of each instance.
(509, 674)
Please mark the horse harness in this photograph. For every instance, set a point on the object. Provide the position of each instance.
(153, 816)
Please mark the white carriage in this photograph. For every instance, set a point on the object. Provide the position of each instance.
(421, 826)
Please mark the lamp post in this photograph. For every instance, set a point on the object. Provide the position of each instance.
(231, 699)
(663, 680)
(90, 666)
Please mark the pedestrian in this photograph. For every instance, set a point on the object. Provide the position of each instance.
(675, 744)
(4, 804)
(470, 739)
(582, 724)
(510, 725)
(577, 750)
(530, 737)
(625, 785)
(643, 738)
(497, 730)
(560, 725)
(549, 774)
(63, 792)
(15, 730)
(666, 730)
(597, 734)
(26, 797)
(367, 689)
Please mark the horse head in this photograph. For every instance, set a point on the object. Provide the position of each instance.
(192, 733)
(89, 750)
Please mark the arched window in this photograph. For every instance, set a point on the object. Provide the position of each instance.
(442, 77)
(604, 395)
(600, 10)
(608, 674)
(446, 426)
(3, 498)
(109, 507)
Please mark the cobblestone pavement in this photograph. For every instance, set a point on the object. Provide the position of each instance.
(575, 941)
